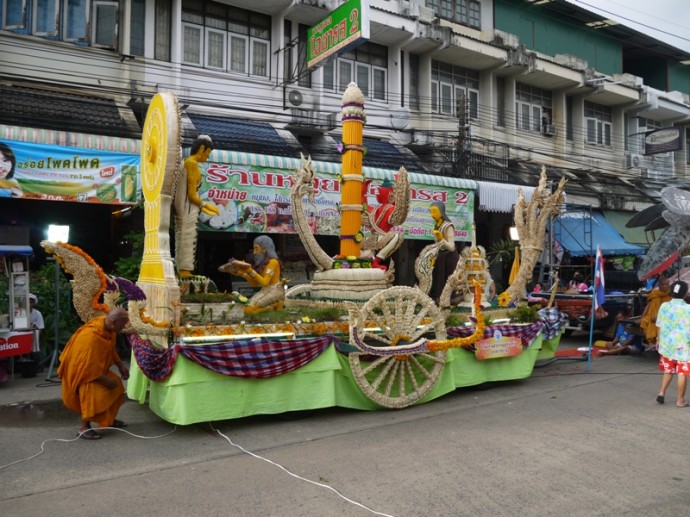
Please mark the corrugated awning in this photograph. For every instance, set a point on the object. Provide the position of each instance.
(500, 197)
(581, 231)
(243, 135)
(60, 110)
(287, 163)
(70, 139)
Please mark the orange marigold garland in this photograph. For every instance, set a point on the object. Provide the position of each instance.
(437, 346)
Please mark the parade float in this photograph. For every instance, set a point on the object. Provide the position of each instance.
(394, 350)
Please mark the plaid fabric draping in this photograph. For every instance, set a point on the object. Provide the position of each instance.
(255, 359)
(156, 363)
(526, 333)
(554, 321)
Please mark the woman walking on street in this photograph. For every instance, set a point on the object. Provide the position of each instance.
(673, 321)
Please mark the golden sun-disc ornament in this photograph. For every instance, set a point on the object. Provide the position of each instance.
(160, 163)
(156, 142)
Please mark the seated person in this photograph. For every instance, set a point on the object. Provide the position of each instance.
(578, 283)
(659, 295)
(265, 274)
(624, 342)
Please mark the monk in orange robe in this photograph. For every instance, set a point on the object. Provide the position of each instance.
(658, 295)
(89, 387)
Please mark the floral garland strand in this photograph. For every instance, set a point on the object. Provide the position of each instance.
(437, 346)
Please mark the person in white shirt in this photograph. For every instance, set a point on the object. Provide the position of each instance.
(36, 322)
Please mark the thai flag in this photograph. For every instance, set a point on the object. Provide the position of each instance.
(599, 292)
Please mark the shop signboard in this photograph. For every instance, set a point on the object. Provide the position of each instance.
(256, 199)
(663, 140)
(57, 173)
(344, 28)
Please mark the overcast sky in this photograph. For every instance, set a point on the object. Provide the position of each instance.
(665, 20)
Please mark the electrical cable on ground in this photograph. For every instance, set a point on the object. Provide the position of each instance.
(298, 476)
(65, 440)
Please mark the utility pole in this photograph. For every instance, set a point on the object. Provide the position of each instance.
(461, 166)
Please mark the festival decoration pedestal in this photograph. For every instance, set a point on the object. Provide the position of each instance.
(193, 394)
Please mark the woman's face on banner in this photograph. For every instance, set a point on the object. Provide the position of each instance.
(5, 165)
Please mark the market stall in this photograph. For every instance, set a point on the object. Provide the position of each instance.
(16, 335)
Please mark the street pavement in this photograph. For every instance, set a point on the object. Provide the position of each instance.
(569, 440)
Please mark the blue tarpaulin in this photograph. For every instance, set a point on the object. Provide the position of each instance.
(581, 231)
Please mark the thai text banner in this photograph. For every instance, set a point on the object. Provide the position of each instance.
(664, 140)
(56, 173)
(257, 199)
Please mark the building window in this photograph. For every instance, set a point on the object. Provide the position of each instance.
(162, 30)
(104, 24)
(532, 108)
(225, 38)
(137, 27)
(454, 90)
(46, 13)
(643, 126)
(464, 12)
(288, 72)
(303, 71)
(569, 118)
(84, 22)
(367, 65)
(76, 21)
(14, 14)
(296, 48)
(414, 81)
(500, 102)
(598, 124)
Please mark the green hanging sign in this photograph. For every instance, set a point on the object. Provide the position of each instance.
(344, 28)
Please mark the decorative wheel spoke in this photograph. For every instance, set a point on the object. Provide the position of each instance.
(398, 381)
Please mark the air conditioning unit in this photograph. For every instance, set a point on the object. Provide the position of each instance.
(325, 121)
(646, 174)
(632, 160)
(422, 138)
(548, 129)
(299, 99)
(313, 121)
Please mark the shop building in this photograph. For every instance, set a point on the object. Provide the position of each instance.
(481, 92)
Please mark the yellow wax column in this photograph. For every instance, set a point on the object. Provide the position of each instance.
(353, 118)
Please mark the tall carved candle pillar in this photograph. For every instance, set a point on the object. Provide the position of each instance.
(353, 119)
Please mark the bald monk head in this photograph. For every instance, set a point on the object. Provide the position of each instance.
(116, 320)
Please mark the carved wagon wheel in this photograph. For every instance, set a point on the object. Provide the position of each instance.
(403, 315)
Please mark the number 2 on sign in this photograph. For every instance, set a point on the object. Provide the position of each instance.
(354, 20)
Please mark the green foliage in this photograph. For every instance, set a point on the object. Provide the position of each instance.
(128, 267)
(501, 251)
(456, 319)
(43, 286)
(524, 313)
